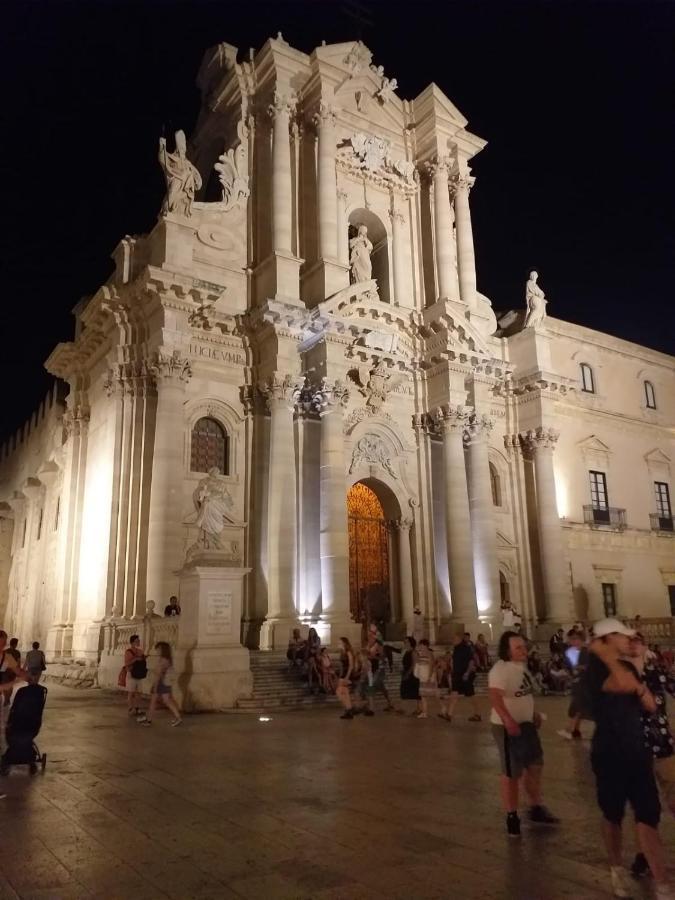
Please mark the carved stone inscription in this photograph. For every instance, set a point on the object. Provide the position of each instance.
(218, 353)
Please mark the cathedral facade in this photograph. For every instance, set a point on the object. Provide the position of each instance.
(302, 338)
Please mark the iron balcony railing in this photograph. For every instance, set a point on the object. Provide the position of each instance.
(662, 523)
(608, 517)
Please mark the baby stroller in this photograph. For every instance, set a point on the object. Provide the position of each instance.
(23, 726)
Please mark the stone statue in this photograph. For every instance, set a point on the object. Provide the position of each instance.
(536, 302)
(182, 178)
(213, 502)
(370, 450)
(359, 260)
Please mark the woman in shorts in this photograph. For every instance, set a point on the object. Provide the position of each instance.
(162, 687)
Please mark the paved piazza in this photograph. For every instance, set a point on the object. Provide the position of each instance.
(304, 806)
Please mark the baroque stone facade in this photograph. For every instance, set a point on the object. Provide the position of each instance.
(304, 316)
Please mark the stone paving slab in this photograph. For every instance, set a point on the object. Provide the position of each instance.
(304, 807)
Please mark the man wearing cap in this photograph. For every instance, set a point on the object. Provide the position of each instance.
(622, 765)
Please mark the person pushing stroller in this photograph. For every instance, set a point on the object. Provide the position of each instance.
(23, 726)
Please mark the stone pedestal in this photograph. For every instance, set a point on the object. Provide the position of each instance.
(212, 665)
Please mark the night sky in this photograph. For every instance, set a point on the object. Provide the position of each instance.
(576, 101)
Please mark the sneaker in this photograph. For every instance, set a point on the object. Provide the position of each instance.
(620, 884)
(347, 714)
(142, 718)
(640, 866)
(542, 816)
(176, 722)
(513, 825)
(475, 718)
(368, 712)
(422, 716)
(564, 733)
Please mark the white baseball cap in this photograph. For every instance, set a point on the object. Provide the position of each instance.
(612, 626)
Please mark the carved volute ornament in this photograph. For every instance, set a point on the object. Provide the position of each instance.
(331, 395)
(450, 418)
(478, 428)
(232, 169)
(170, 366)
(282, 390)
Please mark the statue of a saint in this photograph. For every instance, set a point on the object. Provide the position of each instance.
(182, 178)
(213, 503)
(536, 302)
(359, 260)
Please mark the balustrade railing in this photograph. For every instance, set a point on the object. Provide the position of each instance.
(607, 517)
(661, 523)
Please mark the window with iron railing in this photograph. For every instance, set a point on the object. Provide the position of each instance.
(662, 520)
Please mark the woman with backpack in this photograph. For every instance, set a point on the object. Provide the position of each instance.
(162, 687)
(134, 672)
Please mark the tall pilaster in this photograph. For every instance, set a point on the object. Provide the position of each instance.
(540, 443)
(466, 260)
(171, 372)
(282, 184)
(324, 121)
(483, 533)
(330, 400)
(281, 393)
(445, 256)
(343, 229)
(398, 253)
(403, 528)
(452, 420)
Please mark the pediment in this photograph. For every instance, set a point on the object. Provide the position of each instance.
(595, 452)
(357, 97)
(593, 443)
(434, 100)
(657, 456)
(658, 464)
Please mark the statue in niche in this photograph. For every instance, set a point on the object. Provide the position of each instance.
(213, 503)
(536, 302)
(359, 259)
(182, 178)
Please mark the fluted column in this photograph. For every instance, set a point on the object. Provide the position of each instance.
(481, 509)
(330, 400)
(282, 184)
(397, 223)
(540, 443)
(405, 574)
(324, 122)
(165, 534)
(281, 393)
(466, 260)
(343, 228)
(442, 228)
(451, 420)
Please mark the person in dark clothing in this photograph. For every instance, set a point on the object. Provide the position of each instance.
(410, 685)
(576, 659)
(172, 608)
(557, 642)
(622, 764)
(463, 676)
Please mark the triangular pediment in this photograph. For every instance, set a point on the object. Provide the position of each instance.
(593, 443)
(433, 101)
(657, 456)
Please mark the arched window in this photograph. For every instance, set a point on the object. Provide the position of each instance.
(209, 447)
(650, 396)
(495, 485)
(587, 380)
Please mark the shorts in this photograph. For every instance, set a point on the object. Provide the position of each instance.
(378, 681)
(664, 769)
(163, 688)
(134, 684)
(619, 781)
(463, 686)
(518, 753)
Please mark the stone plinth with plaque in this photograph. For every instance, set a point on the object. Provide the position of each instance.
(213, 666)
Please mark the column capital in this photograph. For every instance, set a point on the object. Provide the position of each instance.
(405, 523)
(539, 439)
(396, 217)
(462, 182)
(281, 390)
(284, 103)
(325, 115)
(329, 396)
(452, 419)
(439, 165)
(478, 428)
(170, 367)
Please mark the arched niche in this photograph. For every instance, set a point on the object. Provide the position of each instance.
(379, 238)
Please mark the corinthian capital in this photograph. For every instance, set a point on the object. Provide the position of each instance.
(330, 395)
(283, 103)
(539, 439)
(405, 523)
(324, 116)
(170, 366)
(478, 428)
(452, 419)
(439, 165)
(462, 182)
(282, 390)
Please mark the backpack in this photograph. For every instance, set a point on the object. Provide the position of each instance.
(139, 669)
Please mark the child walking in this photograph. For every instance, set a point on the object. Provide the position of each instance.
(162, 687)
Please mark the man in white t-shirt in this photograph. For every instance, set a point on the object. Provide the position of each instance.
(514, 725)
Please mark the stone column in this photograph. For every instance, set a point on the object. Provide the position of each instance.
(282, 183)
(343, 228)
(397, 223)
(466, 261)
(281, 393)
(452, 420)
(324, 122)
(405, 574)
(481, 509)
(540, 443)
(442, 229)
(165, 532)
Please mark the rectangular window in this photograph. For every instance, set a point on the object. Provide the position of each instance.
(599, 490)
(609, 600)
(662, 499)
(587, 380)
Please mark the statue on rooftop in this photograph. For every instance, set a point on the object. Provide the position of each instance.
(182, 178)
(536, 302)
